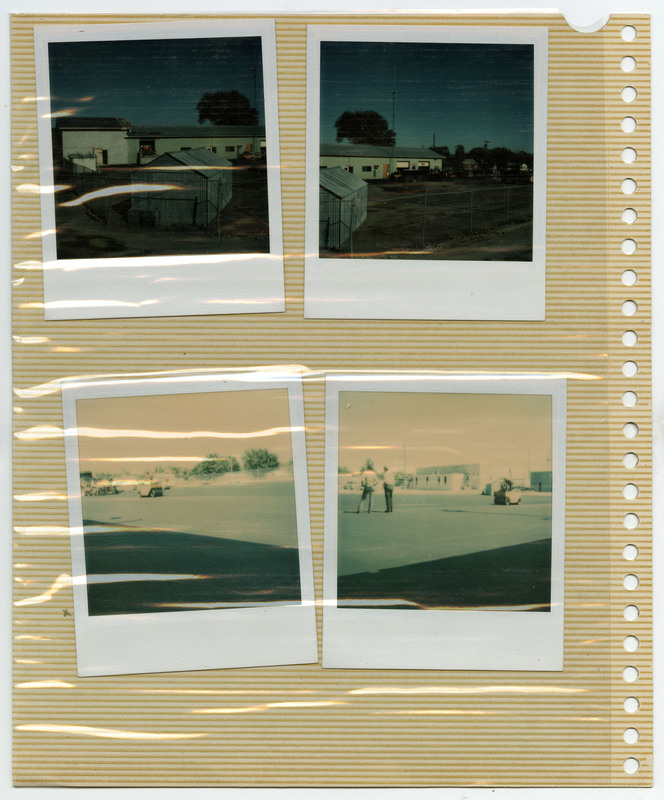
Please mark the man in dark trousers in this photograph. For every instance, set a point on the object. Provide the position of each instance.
(388, 488)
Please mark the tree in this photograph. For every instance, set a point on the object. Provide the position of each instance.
(364, 127)
(259, 461)
(226, 108)
(215, 464)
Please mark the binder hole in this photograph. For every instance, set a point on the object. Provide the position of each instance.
(631, 521)
(630, 674)
(630, 582)
(630, 736)
(628, 33)
(628, 186)
(631, 613)
(630, 491)
(631, 765)
(630, 552)
(630, 368)
(628, 64)
(628, 155)
(630, 460)
(629, 94)
(629, 308)
(628, 246)
(631, 705)
(630, 338)
(630, 399)
(629, 277)
(628, 124)
(631, 644)
(630, 430)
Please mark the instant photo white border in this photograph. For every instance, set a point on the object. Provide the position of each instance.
(156, 286)
(191, 640)
(366, 288)
(444, 639)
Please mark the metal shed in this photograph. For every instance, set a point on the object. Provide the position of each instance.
(203, 187)
(342, 206)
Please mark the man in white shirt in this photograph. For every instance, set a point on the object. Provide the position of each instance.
(368, 481)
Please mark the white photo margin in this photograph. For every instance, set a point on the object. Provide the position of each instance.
(365, 288)
(356, 638)
(203, 639)
(149, 286)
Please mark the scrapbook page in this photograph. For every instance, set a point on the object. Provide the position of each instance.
(448, 217)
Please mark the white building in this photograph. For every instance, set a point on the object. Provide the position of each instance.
(114, 141)
(103, 137)
(373, 162)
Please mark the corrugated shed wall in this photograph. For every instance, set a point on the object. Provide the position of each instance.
(303, 726)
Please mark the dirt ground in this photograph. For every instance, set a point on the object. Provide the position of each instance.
(469, 220)
(99, 229)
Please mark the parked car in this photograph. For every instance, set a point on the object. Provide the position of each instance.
(150, 488)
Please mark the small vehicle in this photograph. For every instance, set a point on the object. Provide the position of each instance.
(150, 488)
(507, 495)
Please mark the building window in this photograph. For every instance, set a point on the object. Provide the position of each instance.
(185, 148)
(213, 149)
(403, 164)
(229, 148)
(424, 165)
(104, 156)
(146, 147)
(366, 169)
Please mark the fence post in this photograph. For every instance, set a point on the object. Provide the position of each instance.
(508, 205)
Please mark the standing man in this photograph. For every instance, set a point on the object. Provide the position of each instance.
(368, 481)
(388, 488)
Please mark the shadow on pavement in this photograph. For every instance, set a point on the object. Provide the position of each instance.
(518, 575)
(218, 571)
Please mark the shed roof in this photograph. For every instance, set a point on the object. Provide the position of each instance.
(194, 131)
(92, 123)
(368, 150)
(339, 182)
(200, 160)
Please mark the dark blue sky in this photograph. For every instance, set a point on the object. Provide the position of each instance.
(464, 93)
(153, 81)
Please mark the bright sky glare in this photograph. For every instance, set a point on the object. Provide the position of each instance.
(498, 431)
(171, 428)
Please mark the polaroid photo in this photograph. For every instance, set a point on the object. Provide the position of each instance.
(444, 522)
(159, 165)
(189, 520)
(426, 172)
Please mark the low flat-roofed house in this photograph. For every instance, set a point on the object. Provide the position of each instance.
(203, 182)
(146, 142)
(373, 162)
(103, 137)
(342, 206)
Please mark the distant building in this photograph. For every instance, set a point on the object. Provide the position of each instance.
(204, 188)
(453, 477)
(373, 162)
(114, 141)
(146, 142)
(541, 481)
(342, 206)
